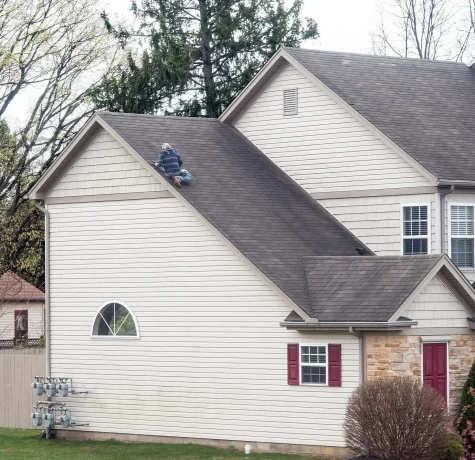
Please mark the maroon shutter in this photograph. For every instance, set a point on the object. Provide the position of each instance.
(334, 365)
(293, 363)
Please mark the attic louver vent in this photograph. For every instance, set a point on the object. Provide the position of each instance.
(291, 100)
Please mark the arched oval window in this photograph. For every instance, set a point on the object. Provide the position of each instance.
(115, 319)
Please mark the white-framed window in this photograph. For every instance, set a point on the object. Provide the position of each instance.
(415, 229)
(314, 364)
(291, 101)
(115, 319)
(462, 235)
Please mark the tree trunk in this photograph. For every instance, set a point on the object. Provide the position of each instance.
(212, 109)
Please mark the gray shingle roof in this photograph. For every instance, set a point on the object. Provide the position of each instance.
(363, 288)
(269, 218)
(426, 107)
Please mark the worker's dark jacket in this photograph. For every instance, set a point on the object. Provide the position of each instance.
(171, 161)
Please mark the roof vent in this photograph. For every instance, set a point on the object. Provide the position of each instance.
(291, 100)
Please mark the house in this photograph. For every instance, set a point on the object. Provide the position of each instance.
(18, 298)
(235, 310)
(384, 143)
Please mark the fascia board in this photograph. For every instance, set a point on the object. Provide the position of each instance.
(230, 111)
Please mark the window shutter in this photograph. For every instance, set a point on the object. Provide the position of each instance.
(334, 365)
(291, 101)
(293, 363)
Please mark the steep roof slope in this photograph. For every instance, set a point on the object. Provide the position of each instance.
(426, 107)
(15, 288)
(269, 218)
(363, 288)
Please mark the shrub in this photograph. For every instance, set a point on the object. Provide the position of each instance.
(466, 418)
(454, 449)
(396, 419)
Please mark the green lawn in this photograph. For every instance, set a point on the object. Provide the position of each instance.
(25, 444)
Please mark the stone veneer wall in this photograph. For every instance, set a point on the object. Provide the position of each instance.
(389, 356)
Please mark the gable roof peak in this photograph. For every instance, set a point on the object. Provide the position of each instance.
(423, 107)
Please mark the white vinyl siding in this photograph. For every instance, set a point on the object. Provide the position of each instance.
(324, 148)
(211, 361)
(105, 168)
(415, 229)
(35, 319)
(462, 235)
(436, 306)
(377, 220)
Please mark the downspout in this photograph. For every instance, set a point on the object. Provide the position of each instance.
(442, 217)
(360, 337)
(47, 293)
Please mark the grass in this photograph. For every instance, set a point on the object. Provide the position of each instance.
(25, 444)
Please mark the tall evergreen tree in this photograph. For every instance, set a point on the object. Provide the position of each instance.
(200, 53)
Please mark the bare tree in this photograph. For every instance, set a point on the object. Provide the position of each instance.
(51, 53)
(427, 29)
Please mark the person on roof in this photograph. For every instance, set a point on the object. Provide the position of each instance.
(170, 160)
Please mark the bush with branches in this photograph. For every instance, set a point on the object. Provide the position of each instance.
(396, 419)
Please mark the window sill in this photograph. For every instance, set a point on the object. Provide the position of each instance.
(113, 337)
(314, 385)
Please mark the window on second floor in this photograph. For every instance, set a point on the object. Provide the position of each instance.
(415, 230)
(462, 235)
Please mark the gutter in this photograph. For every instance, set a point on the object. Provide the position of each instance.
(458, 183)
(341, 326)
(442, 217)
(47, 290)
(361, 340)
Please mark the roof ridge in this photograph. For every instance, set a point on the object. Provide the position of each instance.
(376, 56)
(151, 115)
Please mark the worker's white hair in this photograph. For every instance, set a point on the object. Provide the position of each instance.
(166, 146)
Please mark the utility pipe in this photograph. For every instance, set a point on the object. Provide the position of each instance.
(47, 290)
(360, 337)
(442, 218)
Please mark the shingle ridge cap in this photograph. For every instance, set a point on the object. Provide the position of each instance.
(376, 56)
(149, 115)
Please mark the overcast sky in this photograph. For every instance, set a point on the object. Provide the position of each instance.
(345, 25)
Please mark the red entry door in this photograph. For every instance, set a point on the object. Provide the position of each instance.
(435, 367)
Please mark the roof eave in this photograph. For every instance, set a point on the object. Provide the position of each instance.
(344, 325)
